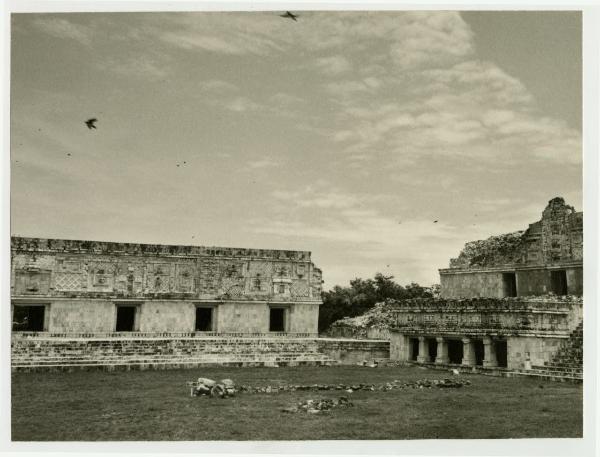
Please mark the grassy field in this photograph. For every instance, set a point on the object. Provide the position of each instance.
(155, 405)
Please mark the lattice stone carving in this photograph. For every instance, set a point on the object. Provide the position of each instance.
(261, 268)
(232, 286)
(69, 281)
(300, 289)
(236, 291)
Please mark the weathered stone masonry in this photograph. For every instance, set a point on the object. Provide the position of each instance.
(488, 314)
(92, 287)
(512, 333)
(546, 258)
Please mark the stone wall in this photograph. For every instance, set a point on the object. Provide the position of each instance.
(487, 316)
(525, 352)
(64, 268)
(530, 329)
(82, 282)
(369, 333)
(555, 242)
(351, 352)
(159, 316)
(472, 284)
(489, 283)
(39, 352)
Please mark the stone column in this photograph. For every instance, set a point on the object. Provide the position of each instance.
(489, 357)
(442, 351)
(468, 353)
(423, 351)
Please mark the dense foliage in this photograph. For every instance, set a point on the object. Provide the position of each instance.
(362, 295)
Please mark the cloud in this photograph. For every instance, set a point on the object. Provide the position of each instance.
(242, 104)
(217, 86)
(262, 163)
(333, 65)
(62, 28)
(139, 67)
(312, 197)
(352, 225)
(471, 109)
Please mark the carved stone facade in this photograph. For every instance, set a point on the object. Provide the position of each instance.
(510, 333)
(546, 258)
(82, 284)
(508, 329)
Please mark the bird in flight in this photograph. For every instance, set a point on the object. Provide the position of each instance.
(289, 15)
(91, 123)
(435, 222)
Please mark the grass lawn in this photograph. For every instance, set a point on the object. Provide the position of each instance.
(155, 405)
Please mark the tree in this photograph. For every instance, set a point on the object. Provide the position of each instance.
(362, 295)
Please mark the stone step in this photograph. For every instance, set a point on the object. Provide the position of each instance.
(138, 355)
(548, 377)
(169, 361)
(141, 359)
(166, 365)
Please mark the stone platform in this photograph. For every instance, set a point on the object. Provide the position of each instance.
(38, 352)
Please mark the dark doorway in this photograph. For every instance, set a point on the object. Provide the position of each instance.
(479, 351)
(501, 353)
(509, 280)
(277, 320)
(28, 318)
(125, 318)
(455, 351)
(432, 346)
(204, 319)
(558, 279)
(414, 348)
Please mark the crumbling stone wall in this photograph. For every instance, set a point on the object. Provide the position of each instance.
(554, 242)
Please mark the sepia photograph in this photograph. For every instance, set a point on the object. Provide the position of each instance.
(306, 225)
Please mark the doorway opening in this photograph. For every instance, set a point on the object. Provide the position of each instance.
(509, 281)
(277, 320)
(558, 280)
(479, 352)
(432, 347)
(455, 351)
(414, 348)
(28, 318)
(204, 319)
(126, 318)
(501, 353)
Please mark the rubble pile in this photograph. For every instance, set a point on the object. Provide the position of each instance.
(393, 385)
(495, 250)
(319, 406)
(204, 386)
(381, 316)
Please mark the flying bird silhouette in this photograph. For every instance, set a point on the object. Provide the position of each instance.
(91, 123)
(435, 222)
(290, 16)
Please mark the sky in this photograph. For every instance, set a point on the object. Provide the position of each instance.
(379, 141)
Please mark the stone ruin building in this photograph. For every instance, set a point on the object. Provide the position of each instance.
(508, 305)
(64, 286)
(511, 302)
(87, 303)
(545, 258)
